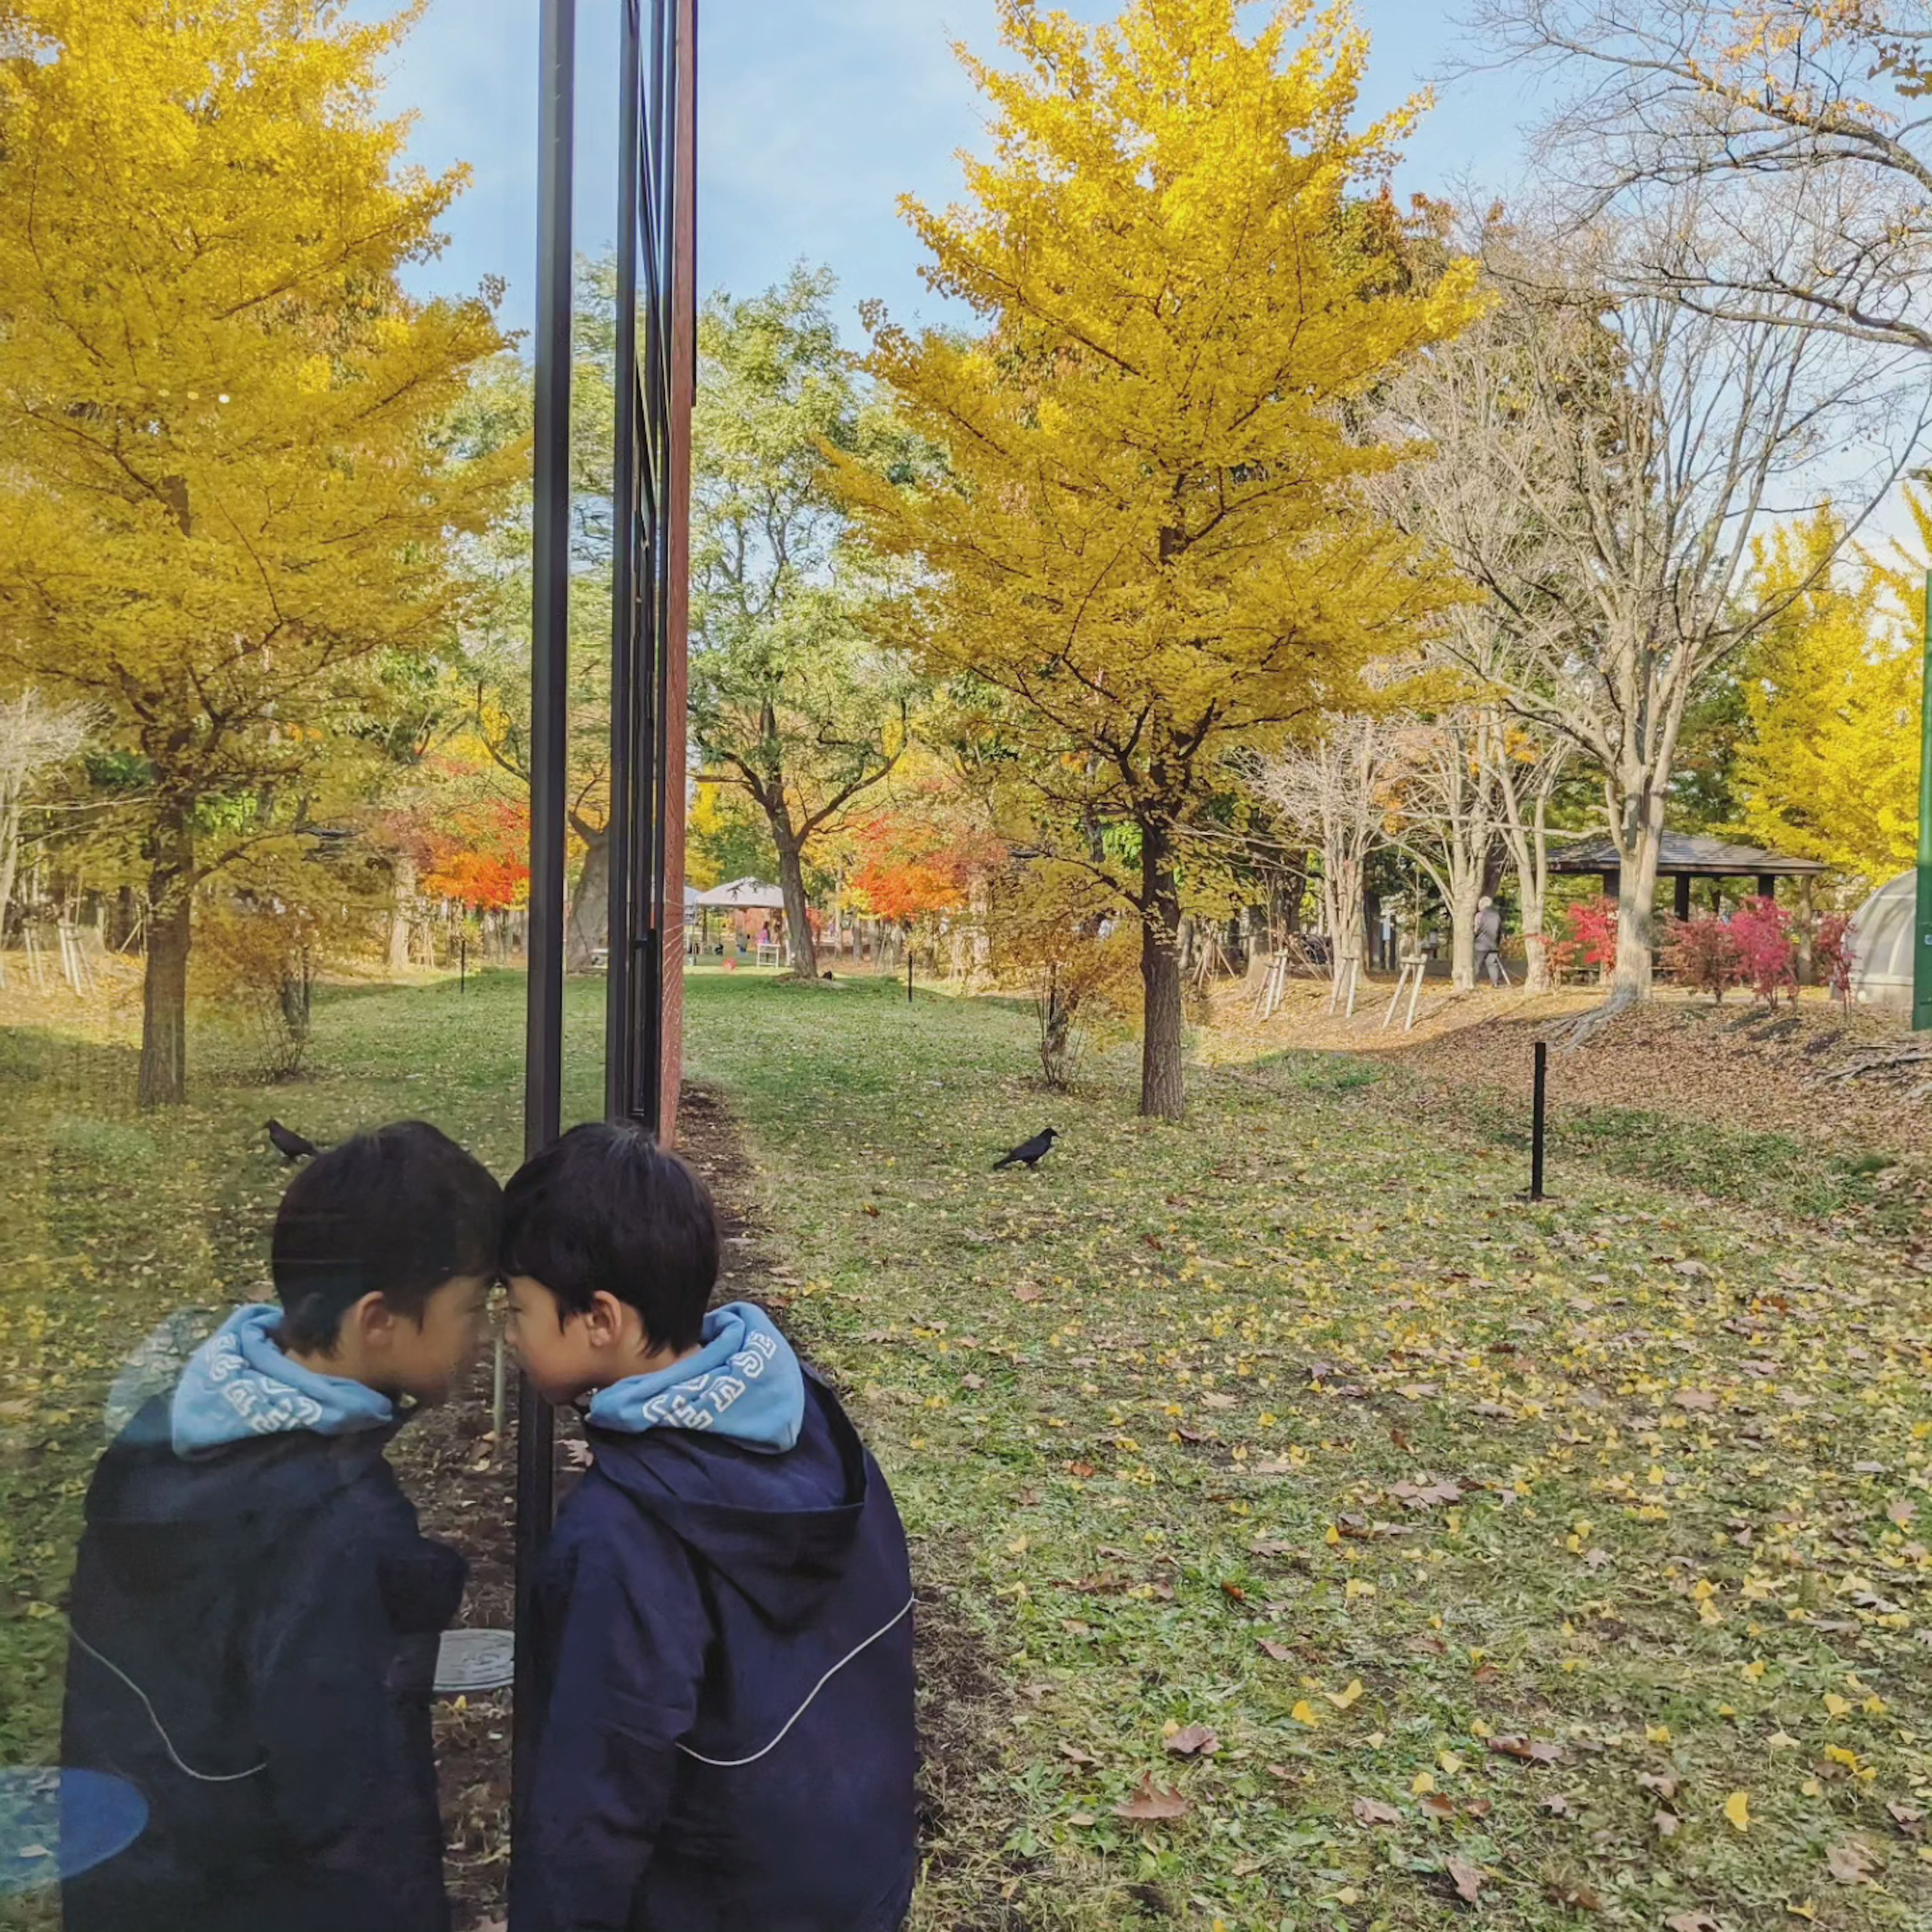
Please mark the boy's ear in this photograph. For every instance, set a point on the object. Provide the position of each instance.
(371, 1321)
(603, 1320)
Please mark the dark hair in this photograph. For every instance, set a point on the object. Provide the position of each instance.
(605, 1208)
(396, 1212)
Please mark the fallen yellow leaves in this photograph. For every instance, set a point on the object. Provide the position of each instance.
(1737, 1810)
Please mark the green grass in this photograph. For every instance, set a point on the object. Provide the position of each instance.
(1248, 1331)
(1146, 1412)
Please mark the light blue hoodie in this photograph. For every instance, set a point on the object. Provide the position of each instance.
(744, 1383)
(238, 1384)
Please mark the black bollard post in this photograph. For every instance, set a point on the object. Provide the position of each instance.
(1537, 1120)
(908, 972)
(463, 966)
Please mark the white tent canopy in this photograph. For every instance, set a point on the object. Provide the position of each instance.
(1884, 935)
(740, 895)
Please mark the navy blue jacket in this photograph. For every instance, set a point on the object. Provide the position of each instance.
(694, 1596)
(277, 1607)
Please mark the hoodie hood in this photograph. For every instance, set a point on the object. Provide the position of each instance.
(744, 1383)
(783, 1529)
(238, 1385)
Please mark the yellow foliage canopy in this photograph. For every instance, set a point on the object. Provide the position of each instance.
(1833, 695)
(1148, 541)
(223, 488)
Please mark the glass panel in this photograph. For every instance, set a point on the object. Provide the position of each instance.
(265, 558)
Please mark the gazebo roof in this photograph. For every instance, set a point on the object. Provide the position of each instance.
(1688, 855)
(740, 895)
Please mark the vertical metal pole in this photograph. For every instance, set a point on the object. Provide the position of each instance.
(1921, 953)
(1537, 1120)
(667, 1010)
(908, 969)
(620, 1037)
(549, 672)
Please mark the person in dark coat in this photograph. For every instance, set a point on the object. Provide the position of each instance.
(254, 1613)
(722, 1624)
(1489, 943)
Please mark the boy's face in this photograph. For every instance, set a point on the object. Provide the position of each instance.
(561, 1354)
(423, 1361)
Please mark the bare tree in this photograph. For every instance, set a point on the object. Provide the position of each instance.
(1605, 456)
(1333, 791)
(1825, 97)
(37, 737)
(1443, 812)
(1524, 765)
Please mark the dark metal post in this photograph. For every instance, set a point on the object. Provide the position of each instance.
(462, 965)
(1537, 1120)
(549, 689)
(619, 1074)
(908, 969)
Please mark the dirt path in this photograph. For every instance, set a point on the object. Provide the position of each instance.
(466, 1493)
(963, 1702)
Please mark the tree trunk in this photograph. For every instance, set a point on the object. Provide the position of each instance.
(405, 912)
(589, 926)
(163, 1080)
(9, 855)
(1465, 890)
(1342, 893)
(798, 916)
(1163, 1078)
(1640, 838)
(1536, 977)
(1532, 885)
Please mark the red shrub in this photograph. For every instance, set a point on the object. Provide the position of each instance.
(1591, 939)
(1761, 930)
(1832, 954)
(1703, 955)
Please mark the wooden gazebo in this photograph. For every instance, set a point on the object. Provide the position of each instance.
(1686, 856)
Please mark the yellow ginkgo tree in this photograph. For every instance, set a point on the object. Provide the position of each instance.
(1832, 695)
(1149, 546)
(227, 490)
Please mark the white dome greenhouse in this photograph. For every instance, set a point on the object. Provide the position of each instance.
(1883, 932)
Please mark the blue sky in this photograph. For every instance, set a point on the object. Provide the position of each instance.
(814, 116)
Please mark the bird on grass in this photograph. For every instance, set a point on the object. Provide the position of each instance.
(289, 1144)
(1029, 1153)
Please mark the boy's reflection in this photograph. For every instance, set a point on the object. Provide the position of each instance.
(255, 1613)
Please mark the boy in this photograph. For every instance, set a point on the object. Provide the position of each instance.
(255, 1613)
(722, 1624)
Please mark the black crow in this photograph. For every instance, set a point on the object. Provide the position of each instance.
(1032, 1152)
(290, 1145)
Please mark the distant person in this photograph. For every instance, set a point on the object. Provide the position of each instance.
(1489, 943)
(722, 1628)
(1388, 939)
(255, 1614)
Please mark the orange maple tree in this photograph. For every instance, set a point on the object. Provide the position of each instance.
(480, 856)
